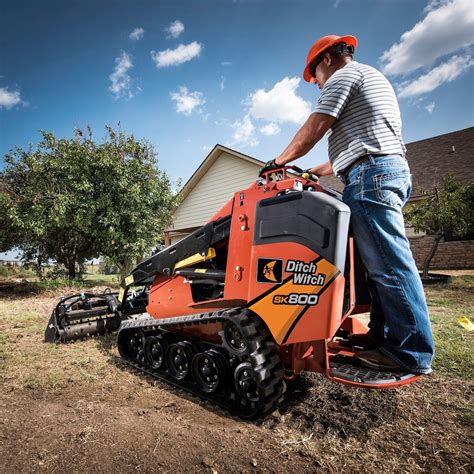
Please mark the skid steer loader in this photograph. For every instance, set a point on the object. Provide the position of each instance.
(269, 287)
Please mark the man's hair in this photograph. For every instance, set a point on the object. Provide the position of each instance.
(337, 51)
(340, 50)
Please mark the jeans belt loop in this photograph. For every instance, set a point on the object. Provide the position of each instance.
(343, 176)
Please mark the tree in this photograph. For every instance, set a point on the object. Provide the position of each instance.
(450, 209)
(8, 220)
(139, 201)
(70, 200)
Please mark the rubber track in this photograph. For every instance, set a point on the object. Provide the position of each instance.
(262, 353)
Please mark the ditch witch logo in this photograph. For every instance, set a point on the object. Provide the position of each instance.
(269, 270)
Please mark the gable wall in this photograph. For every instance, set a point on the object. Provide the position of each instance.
(227, 175)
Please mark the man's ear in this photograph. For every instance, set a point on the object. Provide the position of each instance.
(329, 60)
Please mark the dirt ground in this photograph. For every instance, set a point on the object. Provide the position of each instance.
(77, 407)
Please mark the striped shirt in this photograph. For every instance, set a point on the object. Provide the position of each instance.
(367, 113)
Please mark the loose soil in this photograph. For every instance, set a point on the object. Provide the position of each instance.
(77, 407)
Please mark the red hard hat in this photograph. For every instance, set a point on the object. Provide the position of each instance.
(322, 44)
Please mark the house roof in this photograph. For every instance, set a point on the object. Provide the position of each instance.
(433, 158)
(209, 161)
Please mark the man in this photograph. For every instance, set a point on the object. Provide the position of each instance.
(359, 110)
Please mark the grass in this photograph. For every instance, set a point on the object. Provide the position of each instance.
(15, 272)
(454, 346)
(27, 363)
(101, 278)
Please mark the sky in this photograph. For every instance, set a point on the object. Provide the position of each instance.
(185, 75)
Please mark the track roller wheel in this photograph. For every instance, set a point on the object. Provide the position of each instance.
(209, 370)
(155, 350)
(245, 384)
(178, 359)
(131, 344)
(232, 338)
(259, 380)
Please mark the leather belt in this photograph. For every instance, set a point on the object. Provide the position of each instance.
(344, 174)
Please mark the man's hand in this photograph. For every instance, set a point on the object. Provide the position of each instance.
(269, 166)
(308, 174)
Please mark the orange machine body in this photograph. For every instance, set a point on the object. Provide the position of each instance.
(302, 296)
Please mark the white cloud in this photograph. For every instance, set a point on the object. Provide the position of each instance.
(222, 83)
(9, 99)
(280, 104)
(120, 79)
(445, 72)
(434, 4)
(226, 63)
(177, 56)
(244, 133)
(137, 34)
(446, 28)
(185, 101)
(430, 107)
(270, 129)
(174, 29)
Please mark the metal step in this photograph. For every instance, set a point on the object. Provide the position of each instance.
(347, 368)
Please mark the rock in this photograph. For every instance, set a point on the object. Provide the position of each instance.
(253, 462)
(276, 414)
(206, 462)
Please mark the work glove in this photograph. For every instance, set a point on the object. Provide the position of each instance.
(269, 166)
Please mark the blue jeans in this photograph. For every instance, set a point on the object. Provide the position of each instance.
(376, 190)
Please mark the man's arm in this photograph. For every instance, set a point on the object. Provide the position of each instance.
(324, 169)
(306, 137)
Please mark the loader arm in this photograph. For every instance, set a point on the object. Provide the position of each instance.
(199, 242)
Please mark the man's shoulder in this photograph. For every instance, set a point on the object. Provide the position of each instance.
(350, 72)
(365, 69)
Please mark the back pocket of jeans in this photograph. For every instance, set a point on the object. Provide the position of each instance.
(392, 188)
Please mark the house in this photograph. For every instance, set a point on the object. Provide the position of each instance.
(225, 171)
(430, 161)
(220, 175)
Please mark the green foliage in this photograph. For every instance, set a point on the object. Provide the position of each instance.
(139, 201)
(449, 209)
(57, 283)
(15, 271)
(106, 267)
(454, 354)
(70, 200)
(9, 225)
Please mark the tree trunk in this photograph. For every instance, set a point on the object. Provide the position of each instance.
(125, 267)
(71, 270)
(431, 253)
(38, 266)
(82, 270)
